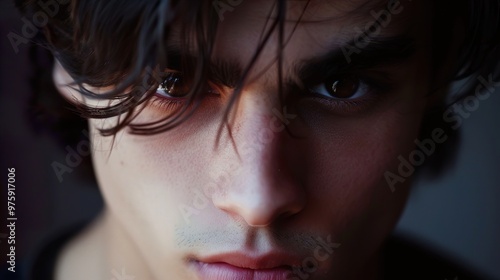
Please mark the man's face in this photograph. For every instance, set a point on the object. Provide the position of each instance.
(300, 183)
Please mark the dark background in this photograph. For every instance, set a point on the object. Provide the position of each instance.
(43, 203)
(458, 214)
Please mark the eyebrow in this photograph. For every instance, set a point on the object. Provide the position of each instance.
(379, 51)
(220, 71)
(348, 58)
(225, 72)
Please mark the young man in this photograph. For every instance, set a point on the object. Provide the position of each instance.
(260, 139)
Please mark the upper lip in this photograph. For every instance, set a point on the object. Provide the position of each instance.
(269, 260)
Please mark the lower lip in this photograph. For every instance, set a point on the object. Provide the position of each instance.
(224, 271)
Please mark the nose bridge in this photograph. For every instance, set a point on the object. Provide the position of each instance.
(259, 133)
(258, 128)
(261, 188)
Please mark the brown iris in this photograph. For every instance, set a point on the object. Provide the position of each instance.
(342, 88)
(174, 86)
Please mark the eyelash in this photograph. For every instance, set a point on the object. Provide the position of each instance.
(376, 89)
(166, 103)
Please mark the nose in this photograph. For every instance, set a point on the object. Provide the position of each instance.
(262, 186)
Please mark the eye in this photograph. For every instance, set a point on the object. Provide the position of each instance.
(345, 88)
(175, 91)
(173, 86)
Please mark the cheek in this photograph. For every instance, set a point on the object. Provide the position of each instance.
(144, 179)
(345, 166)
(144, 188)
(126, 178)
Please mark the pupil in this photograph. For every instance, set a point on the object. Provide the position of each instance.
(168, 85)
(344, 88)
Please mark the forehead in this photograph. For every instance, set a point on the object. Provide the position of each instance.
(343, 19)
(336, 21)
(311, 27)
(321, 10)
(307, 11)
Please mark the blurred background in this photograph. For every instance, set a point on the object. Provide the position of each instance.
(459, 214)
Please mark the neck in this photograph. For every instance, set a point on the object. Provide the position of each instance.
(124, 257)
(105, 248)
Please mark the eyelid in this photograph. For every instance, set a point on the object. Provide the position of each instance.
(363, 86)
(167, 103)
(209, 83)
(380, 78)
(378, 89)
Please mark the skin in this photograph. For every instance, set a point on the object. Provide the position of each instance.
(274, 192)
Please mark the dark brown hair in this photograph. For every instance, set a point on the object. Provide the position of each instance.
(124, 43)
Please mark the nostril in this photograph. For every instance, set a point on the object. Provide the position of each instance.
(260, 206)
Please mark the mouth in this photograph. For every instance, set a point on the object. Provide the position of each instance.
(239, 266)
